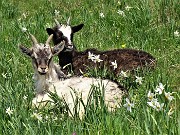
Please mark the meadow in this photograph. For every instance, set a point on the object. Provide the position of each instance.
(149, 25)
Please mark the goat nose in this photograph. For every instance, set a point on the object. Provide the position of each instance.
(43, 69)
(70, 46)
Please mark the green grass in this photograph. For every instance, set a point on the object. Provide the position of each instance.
(148, 26)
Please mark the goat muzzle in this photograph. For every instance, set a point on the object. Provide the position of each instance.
(42, 70)
(69, 48)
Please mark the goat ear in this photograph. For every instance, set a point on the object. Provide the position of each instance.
(50, 31)
(77, 28)
(25, 50)
(58, 48)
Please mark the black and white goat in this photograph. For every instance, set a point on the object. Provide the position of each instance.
(114, 60)
(47, 79)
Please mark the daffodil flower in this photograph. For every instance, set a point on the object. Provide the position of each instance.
(128, 105)
(23, 29)
(159, 106)
(120, 12)
(91, 56)
(123, 74)
(37, 116)
(155, 104)
(128, 8)
(159, 89)
(114, 64)
(150, 96)
(9, 111)
(138, 80)
(176, 34)
(56, 12)
(101, 15)
(168, 96)
(170, 112)
(97, 59)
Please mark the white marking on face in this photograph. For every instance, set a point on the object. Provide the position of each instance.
(66, 30)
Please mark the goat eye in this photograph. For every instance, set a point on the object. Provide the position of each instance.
(60, 34)
(64, 38)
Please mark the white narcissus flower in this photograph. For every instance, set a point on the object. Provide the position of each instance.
(23, 29)
(97, 59)
(159, 106)
(128, 105)
(176, 34)
(56, 12)
(4, 75)
(25, 97)
(120, 12)
(155, 104)
(37, 116)
(159, 89)
(150, 96)
(94, 58)
(170, 112)
(123, 74)
(168, 96)
(138, 80)
(91, 56)
(101, 15)
(114, 64)
(9, 111)
(128, 8)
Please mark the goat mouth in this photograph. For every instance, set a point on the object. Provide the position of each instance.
(42, 73)
(67, 49)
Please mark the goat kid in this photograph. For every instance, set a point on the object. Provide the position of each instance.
(125, 59)
(69, 89)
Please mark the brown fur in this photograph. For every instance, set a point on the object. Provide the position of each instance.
(126, 59)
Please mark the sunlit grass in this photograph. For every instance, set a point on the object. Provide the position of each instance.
(151, 26)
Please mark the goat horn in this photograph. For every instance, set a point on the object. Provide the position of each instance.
(34, 40)
(56, 21)
(68, 21)
(49, 39)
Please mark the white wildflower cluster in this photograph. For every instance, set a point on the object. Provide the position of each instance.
(44, 118)
(152, 97)
(121, 12)
(155, 104)
(93, 57)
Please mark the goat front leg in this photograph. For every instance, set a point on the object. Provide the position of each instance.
(60, 73)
